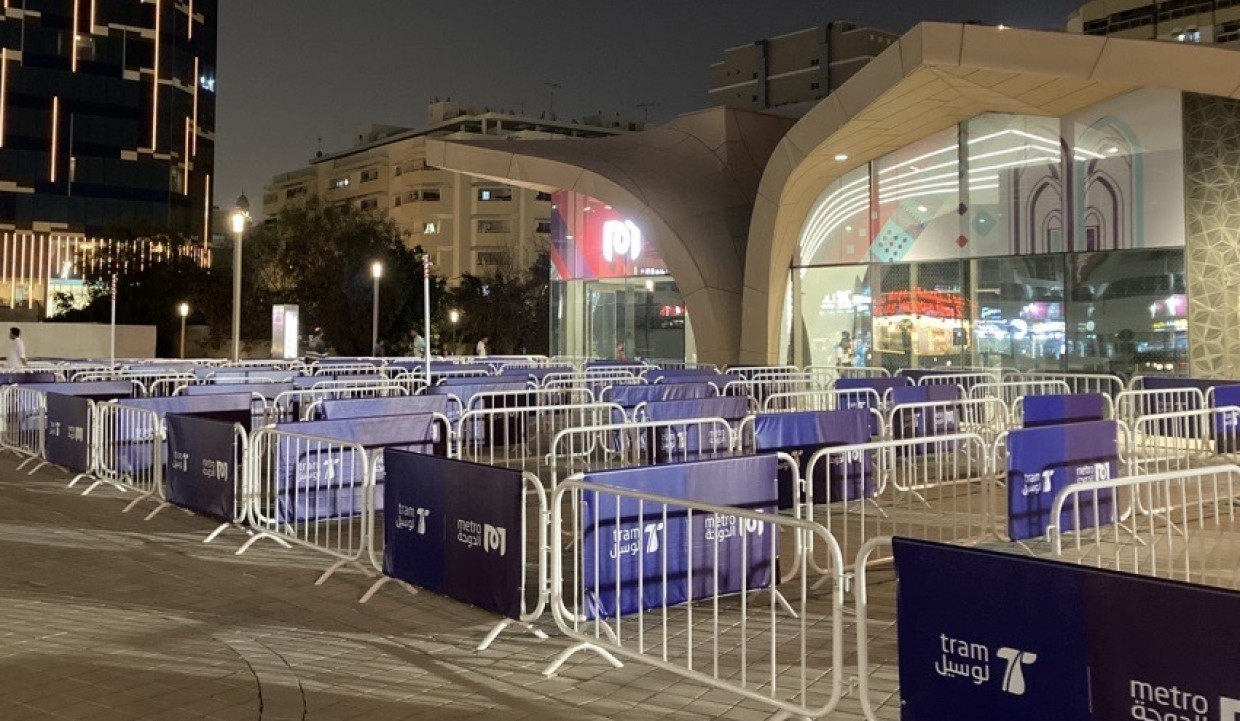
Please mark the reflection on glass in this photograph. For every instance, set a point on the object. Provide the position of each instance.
(836, 315)
(918, 201)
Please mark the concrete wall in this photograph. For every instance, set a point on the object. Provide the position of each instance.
(83, 340)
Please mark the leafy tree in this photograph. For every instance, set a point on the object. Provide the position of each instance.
(510, 308)
(152, 279)
(319, 257)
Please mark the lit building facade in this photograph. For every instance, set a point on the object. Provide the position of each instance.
(107, 120)
(468, 225)
(790, 72)
(1194, 21)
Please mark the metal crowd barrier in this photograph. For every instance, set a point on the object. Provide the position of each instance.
(128, 449)
(1132, 405)
(25, 424)
(311, 492)
(986, 417)
(1107, 385)
(516, 437)
(1009, 391)
(1165, 442)
(781, 647)
(936, 489)
(1179, 525)
(1018, 409)
(822, 400)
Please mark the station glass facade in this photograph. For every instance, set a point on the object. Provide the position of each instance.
(1008, 241)
(611, 294)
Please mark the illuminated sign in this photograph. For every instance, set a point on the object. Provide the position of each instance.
(621, 238)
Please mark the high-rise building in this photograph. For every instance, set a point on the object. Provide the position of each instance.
(793, 71)
(468, 225)
(1193, 21)
(107, 121)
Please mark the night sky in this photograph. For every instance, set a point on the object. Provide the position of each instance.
(292, 71)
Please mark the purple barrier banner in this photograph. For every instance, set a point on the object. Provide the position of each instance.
(987, 636)
(675, 441)
(1227, 425)
(629, 549)
(266, 390)
(803, 434)
(67, 442)
(925, 422)
(904, 395)
(202, 465)
(632, 396)
(1042, 461)
(346, 408)
(1050, 410)
(455, 528)
(94, 390)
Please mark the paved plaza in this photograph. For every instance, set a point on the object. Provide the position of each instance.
(105, 616)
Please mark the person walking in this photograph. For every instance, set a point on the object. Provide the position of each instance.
(844, 351)
(419, 345)
(17, 349)
(480, 350)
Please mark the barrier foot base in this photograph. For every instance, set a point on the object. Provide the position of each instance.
(383, 581)
(135, 502)
(502, 626)
(216, 533)
(26, 462)
(102, 482)
(157, 510)
(341, 564)
(38, 467)
(571, 651)
(255, 539)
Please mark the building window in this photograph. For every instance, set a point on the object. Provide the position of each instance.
(489, 194)
(544, 226)
(814, 62)
(398, 172)
(396, 202)
(492, 258)
(337, 183)
(813, 86)
(492, 226)
(369, 204)
(369, 175)
(430, 227)
(296, 192)
(543, 197)
(430, 196)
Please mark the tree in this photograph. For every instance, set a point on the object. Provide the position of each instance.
(510, 308)
(319, 256)
(153, 277)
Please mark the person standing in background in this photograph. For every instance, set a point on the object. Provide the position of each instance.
(480, 350)
(419, 345)
(17, 349)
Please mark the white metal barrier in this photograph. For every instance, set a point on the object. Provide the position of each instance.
(25, 424)
(310, 492)
(1009, 391)
(1186, 532)
(1108, 385)
(986, 417)
(966, 381)
(1131, 405)
(878, 687)
(1165, 442)
(782, 651)
(935, 489)
(828, 400)
(128, 449)
(515, 437)
(295, 405)
(748, 372)
(625, 445)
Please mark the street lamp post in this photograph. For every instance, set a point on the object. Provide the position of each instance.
(240, 215)
(183, 311)
(426, 309)
(376, 272)
(454, 316)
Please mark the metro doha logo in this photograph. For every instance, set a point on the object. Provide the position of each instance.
(1151, 702)
(621, 238)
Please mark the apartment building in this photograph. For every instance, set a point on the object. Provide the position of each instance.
(1195, 21)
(791, 72)
(468, 225)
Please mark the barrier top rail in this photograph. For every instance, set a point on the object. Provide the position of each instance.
(1079, 382)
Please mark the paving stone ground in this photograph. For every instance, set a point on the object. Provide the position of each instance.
(105, 616)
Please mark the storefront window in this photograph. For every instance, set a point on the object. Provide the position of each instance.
(918, 202)
(838, 229)
(836, 303)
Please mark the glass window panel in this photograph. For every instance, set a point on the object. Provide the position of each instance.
(837, 230)
(1014, 202)
(1020, 312)
(835, 312)
(918, 201)
(921, 315)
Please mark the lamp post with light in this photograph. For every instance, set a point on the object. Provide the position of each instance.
(454, 317)
(376, 272)
(183, 311)
(240, 215)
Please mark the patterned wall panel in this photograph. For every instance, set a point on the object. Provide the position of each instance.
(1212, 190)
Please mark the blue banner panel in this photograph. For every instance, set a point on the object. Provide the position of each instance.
(1042, 461)
(991, 637)
(926, 421)
(803, 434)
(1161, 650)
(202, 465)
(629, 549)
(266, 390)
(335, 410)
(1057, 409)
(67, 443)
(455, 528)
(632, 396)
(677, 441)
(228, 402)
(27, 377)
(1227, 425)
(904, 395)
(94, 390)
